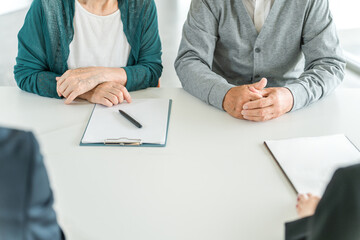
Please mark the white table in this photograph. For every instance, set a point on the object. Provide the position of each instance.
(214, 179)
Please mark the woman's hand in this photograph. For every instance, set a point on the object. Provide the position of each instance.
(74, 83)
(107, 94)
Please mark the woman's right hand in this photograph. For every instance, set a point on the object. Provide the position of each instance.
(107, 94)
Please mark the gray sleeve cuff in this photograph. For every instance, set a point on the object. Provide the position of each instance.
(300, 95)
(217, 94)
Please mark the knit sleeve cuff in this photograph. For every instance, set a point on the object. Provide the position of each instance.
(300, 95)
(217, 94)
(130, 86)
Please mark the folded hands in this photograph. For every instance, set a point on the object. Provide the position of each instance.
(256, 103)
(101, 85)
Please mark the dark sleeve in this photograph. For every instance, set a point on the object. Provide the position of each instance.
(42, 223)
(338, 213)
(32, 72)
(147, 71)
(297, 230)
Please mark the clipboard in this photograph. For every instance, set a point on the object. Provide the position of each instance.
(107, 127)
(308, 163)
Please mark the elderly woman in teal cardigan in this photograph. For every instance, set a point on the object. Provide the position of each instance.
(96, 50)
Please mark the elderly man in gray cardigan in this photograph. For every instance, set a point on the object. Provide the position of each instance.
(259, 59)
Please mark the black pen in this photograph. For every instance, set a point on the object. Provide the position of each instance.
(133, 121)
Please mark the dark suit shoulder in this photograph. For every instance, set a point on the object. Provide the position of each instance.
(6, 133)
(349, 170)
(348, 179)
(349, 174)
(16, 145)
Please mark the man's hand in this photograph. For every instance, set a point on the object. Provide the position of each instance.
(107, 94)
(75, 82)
(275, 102)
(236, 97)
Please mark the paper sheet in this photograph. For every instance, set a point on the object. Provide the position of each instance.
(107, 123)
(309, 163)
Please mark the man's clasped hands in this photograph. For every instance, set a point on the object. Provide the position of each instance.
(256, 103)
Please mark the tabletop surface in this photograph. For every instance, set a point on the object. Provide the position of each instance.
(214, 180)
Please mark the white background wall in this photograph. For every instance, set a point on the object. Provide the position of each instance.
(7, 6)
(346, 13)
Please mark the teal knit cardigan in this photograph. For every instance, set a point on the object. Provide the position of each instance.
(48, 31)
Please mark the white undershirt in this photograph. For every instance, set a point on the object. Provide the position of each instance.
(258, 11)
(99, 41)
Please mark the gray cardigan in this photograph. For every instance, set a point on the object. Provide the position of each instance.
(297, 48)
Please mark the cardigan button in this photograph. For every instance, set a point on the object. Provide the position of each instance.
(257, 50)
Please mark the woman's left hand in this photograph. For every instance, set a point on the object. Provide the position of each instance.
(75, 82)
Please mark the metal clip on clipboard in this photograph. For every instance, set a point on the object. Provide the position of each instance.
(123, 142)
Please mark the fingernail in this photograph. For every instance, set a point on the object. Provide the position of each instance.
(245, 107)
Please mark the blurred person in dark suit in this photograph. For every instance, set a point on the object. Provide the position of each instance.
(336, 216)
(26, 200)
